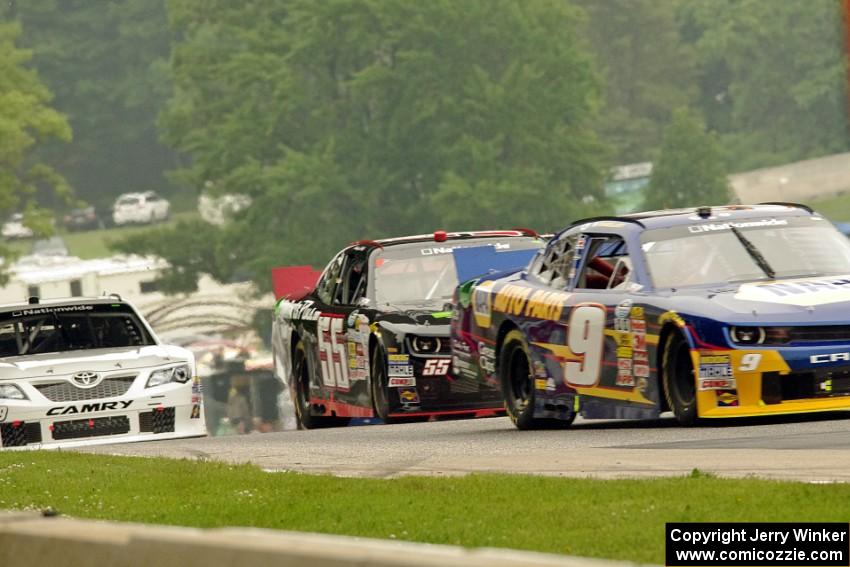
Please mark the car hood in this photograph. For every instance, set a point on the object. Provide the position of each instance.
(423, 321)
(95, 360)
(801, 301)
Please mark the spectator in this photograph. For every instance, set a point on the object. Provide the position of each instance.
(239, 405)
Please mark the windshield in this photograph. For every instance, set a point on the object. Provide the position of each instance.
(758, 249)
(41, 330)
(425, 272)
(128, 201)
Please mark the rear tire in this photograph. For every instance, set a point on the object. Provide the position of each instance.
(301, 376)
(517, 380)
(678, 379)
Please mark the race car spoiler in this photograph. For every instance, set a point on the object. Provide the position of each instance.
(482, 260)
(294, 282)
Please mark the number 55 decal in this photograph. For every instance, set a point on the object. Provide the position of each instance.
(585, 338)
(436, 366)
(332, 352)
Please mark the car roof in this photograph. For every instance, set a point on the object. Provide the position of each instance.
(137, 195)
(448, 236)
(105, 300)
(676, 217)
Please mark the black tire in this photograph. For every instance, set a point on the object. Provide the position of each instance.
(378, 384)
(301, 378)
(517, 380)
(678, 379)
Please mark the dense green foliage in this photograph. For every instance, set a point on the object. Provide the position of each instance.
(366, 118)
(772, 77)
(26, 119)
(616, 519)
(344, 119)
(106, 63)
(647, 68)
(690, 170)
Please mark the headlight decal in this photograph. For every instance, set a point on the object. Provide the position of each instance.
(180, 374)
(12, 392)
(747, 335)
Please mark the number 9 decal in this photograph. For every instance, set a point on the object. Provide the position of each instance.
(750, 362)
(585, 338)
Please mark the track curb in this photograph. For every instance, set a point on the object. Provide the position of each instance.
(29, 538)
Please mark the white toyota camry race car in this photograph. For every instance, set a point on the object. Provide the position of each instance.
(91, 371)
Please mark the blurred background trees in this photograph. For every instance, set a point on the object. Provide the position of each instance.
(106, 63)
(26, 120)
(689, 171)
(346, 119)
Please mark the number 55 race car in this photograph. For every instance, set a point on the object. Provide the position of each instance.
(709, 312)
(371, 338)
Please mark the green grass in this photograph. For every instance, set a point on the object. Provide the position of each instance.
(95, 243)
(615, 519)
(834, 208)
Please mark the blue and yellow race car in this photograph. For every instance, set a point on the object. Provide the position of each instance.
(709, 312)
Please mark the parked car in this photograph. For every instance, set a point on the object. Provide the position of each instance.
(53, 246)
(141, 208)
(81, 219)
(714, 312)
(218, 210)
(89, 371)
(371, 338)
(14, 228)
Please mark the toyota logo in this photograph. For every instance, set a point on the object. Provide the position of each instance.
(86, 379)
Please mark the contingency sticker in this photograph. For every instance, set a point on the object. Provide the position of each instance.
(358, 346)
(727, 398)
(715, 372)
(398, 366)
(408, 396)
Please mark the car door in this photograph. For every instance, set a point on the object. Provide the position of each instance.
(329, 329)
(342, 332)
(607, 327)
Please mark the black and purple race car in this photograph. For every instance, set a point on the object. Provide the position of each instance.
(710, 312)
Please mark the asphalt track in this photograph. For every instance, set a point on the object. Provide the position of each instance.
(815, 448)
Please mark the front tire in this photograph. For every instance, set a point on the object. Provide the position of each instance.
(379, 386)
(678, 379)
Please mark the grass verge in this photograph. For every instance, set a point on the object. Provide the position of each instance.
(621, 519)
(95, 243)
(834, 208)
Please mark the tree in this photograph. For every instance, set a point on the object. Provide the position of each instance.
(106, 62)
(204, 249)
(647, 70)
(347, 119)
(26, 121)
(772, 80)
(690, 170)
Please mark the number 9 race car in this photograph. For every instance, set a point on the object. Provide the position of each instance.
(371, 337)
(709, 312)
